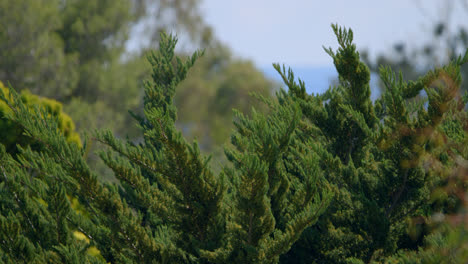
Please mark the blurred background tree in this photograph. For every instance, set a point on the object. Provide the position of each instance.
(445, 43)
(91, 57)
(11, 134)
(217, 84)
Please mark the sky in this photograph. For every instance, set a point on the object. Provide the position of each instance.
(293, 32)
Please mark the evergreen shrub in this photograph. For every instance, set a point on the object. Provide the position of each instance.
(328, 178)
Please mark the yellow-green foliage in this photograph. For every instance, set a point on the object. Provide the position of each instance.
(12, 134)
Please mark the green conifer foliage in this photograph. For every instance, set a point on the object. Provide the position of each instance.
(279, 188)
(41, 219)
(169, 206)
(332, 178)
(165, 178)
(383, 159)
(171, 184)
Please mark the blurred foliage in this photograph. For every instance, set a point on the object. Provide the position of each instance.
(444, 45)
(214, 87)
(12, 134)
(75, 51)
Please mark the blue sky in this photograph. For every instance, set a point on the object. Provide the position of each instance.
(293, 32)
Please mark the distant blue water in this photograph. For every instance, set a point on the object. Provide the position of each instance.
(317, 79)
